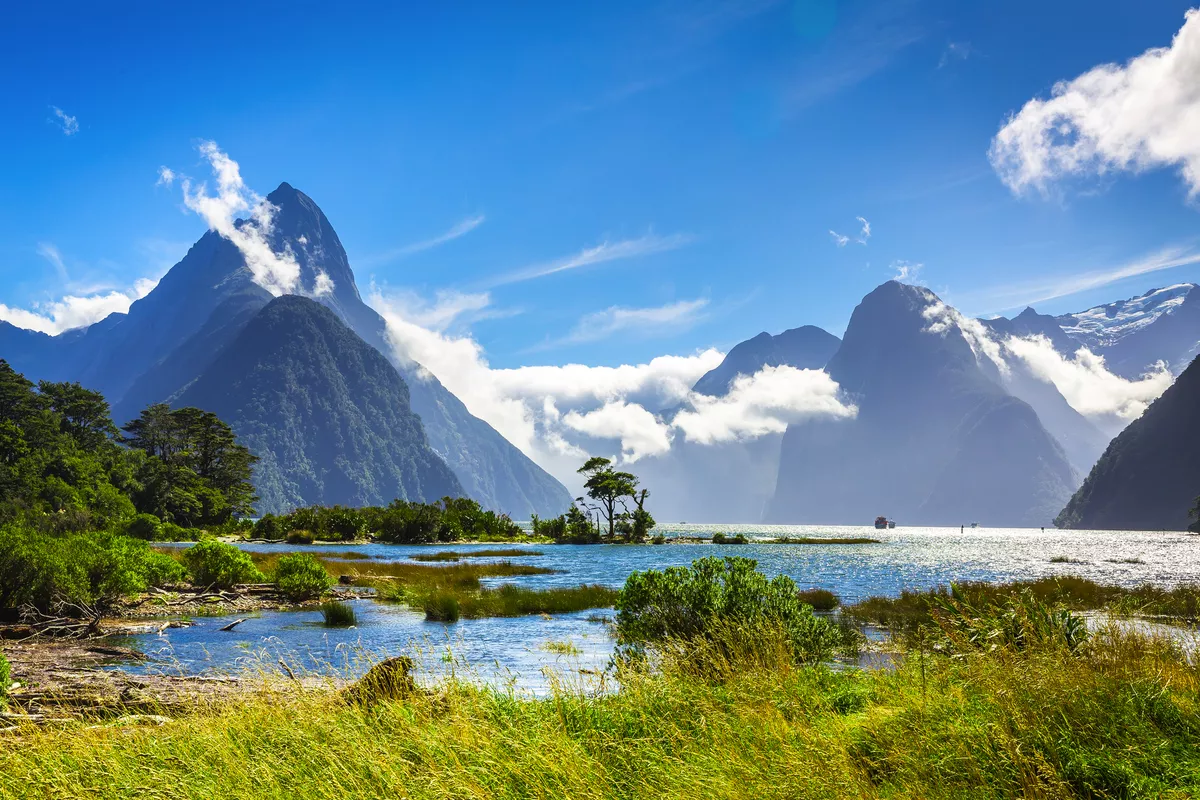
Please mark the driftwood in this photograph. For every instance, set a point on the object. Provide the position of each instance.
(64, 621)
(233, 624)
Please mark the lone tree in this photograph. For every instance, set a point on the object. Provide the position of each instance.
(611, 490)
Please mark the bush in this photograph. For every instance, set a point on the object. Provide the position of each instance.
(269, 527)
(219, 565)
(441, 605)
(686, 603)
(144, 526)
(38, 568)
(299, 577)
(720, 538)
(819, 599)
(300, 537)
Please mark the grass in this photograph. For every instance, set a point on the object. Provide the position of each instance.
(458, 555)
(386, 575)
(912, 608)
(819, 599)
(822, 540)
(564, 648)
(338, 615)
(1065, 560)
(1120, 721)
(510, 600)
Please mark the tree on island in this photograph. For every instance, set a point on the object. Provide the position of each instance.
(612, 492)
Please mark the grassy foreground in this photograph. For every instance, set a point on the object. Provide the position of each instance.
(1120, 719)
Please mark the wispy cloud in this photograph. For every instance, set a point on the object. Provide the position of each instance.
(166, 176)
(1028, 293)
(865, 232)
(955, 51)
(69, 124)
(601, 253)
(839, 239)
(51, 253)
(459, 229)
(907, 271)
(619, 319)
(853, 53)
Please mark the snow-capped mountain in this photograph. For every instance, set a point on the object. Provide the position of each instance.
(1132, 335)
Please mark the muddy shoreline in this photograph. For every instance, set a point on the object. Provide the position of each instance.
(55, 679)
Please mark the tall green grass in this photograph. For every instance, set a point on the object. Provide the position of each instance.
(1119, 721)
(510, 600)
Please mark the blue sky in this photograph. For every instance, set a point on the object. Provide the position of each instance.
(700, 152)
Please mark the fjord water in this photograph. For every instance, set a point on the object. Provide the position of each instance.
(518, 650)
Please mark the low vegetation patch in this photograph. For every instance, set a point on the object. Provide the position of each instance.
(453, 519)
(459, 555)
(338, 615)
(823, 540)
(721, 538)
(913, 609)
(819, 599)
(510, 600)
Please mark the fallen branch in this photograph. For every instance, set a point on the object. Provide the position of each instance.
(233, 624)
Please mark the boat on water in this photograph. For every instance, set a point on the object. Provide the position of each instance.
(883, 523)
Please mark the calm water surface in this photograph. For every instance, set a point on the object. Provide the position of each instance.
(519, 651)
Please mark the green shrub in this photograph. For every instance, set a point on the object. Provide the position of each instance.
(144, 526)
(300, 537)
(269, 527)
(38, 568)
(338, 615)
(819, 599)
(687, 603)
(299, 577)
(219, 565)
(720, 538)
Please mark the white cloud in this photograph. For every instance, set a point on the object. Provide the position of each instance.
(617, 319)
(323, 285)
(555, 414)
(640, 433)
(69, 125)
(943, 319)
(51, 253)
(955, 51)
(1142, 115)
(839, 239)
(760, 404)
(459, 229)
(865, 232)
(601, 253)
(1028, 293)
(166, 176)
(278, 273)
(907, 271)
(1086, 383)
(75, 311)
(449, 307)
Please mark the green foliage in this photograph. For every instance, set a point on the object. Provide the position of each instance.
(819, 599)
(5, 681)
(574, 527)
(300, 577)
(64, 466)
(1024, 623)
(38, 568)
(401, 522)
(144, 526)
(219, 565)
(196, 473)
(338, 615)
(721, 538)
(686, 603)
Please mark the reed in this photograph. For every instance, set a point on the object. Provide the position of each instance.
(338, 615)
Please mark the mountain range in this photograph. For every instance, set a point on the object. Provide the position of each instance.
(948, 429)
(172, 338)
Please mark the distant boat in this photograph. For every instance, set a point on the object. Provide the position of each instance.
(891, 523)
(882, 523)
(974, 524)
